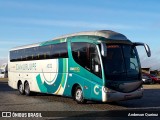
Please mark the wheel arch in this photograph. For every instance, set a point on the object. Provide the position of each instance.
(25, 82)
(18, 83)
(74, 87)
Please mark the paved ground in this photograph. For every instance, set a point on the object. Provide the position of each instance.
(11, 100)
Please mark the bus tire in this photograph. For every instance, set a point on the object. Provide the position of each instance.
(27, 89)
(20, 88)
(78, 95)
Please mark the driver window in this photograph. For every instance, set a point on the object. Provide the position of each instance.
(86, 55)
(95, 61)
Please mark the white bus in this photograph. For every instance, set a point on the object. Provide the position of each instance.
(4, 70)
(97, 65)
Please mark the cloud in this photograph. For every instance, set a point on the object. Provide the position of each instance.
(68, 23)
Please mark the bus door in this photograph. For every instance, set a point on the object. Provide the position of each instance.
(96, 70)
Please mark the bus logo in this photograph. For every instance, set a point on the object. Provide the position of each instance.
(77, 69)
(96, 87)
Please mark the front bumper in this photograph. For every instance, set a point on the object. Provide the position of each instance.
(119, 96)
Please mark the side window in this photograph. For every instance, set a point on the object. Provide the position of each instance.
(63, 50)
(35, 53)
(79, 53)
(86, 55)
(47, 52)
(55, 51)
(38, 53)
(43, 52)
(29, 55)
(12, 56)
(59, 50)
(15, 55)
(22, 55)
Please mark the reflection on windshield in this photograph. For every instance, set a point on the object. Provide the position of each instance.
(131, 60)
(121, 62)
(114, 61)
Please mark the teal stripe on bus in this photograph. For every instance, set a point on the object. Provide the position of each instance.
(51, 88)
(53, 42)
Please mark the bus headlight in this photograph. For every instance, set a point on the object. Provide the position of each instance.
(105, 89)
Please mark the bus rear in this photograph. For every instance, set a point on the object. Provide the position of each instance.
(4, 71)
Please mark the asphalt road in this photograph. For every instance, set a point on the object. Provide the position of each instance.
(11, 100)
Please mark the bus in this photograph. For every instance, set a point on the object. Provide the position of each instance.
(4, 70)
(98, 65)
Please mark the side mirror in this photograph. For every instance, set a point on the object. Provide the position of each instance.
(103, 49)
(148, 51)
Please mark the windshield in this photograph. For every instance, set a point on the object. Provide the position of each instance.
(121, 63)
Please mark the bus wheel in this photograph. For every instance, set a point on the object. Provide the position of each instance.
(78, 95)
(27, 89)
(20, 88)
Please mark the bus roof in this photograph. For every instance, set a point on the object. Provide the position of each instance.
(101, 33)
(108, 34)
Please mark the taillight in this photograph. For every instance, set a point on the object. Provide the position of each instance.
(156, 78)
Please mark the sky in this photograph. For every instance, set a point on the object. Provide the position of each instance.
(25, 22)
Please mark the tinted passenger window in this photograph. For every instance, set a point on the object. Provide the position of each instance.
(41, 52)
(59, 51)
(29, 53)
(86, 55)
(13, 56)
(79, 52)
(23, 56)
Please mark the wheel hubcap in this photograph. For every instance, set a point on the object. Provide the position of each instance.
(27, 89)
(20, 88)
(79, 95)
